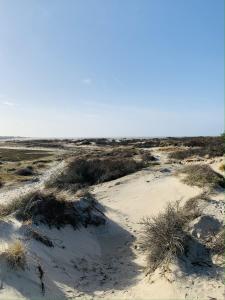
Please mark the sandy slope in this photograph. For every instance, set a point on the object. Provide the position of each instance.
(106, 262)
(7, 194)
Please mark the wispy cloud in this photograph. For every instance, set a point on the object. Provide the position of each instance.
(87, 81)
(8, 103)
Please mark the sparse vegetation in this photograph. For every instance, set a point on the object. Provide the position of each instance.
(84, 172)
(146, 157)
(14, 155)
(28, 171)
(217, 244)
(164, 237)
(46, 208)
(192, 205)
(222, 167)
(202, 176)
(208, 152)
(15, 255)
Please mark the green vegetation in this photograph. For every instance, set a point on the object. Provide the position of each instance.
(14, 155)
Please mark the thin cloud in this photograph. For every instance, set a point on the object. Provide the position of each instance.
(8, 103)
(87, 81)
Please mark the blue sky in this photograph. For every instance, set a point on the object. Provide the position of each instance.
(111, 67)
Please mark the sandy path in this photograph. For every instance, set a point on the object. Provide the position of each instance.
(127, 200)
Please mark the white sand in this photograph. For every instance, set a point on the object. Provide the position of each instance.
(105, 262)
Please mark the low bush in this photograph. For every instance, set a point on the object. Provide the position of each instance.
(217, 244)
(222, 167)
(146, 157)
(202, 176)
(84, 172)
(164, 237)
(46, 208)
(25, 172)
(15, 255)
(208, 151)
(192, 205)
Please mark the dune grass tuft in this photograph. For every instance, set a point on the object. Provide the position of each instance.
(164, 237)
(15, 255)
(85, 172)
(202, 176)
(47, 208)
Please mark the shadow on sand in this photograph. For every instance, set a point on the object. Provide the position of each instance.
(112, 269)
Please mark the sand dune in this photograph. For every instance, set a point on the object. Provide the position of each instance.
(107, 262)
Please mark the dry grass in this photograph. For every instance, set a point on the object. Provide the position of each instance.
(15, 255)
(85, 172)
(164, 237)
(192, 206)
(222, 167)
(21, 155)
(146, 157)
(202, 176)
(28, 171)
(167, 237)
(47, 208)
(44, 208)
(217, 245)
(208, 151)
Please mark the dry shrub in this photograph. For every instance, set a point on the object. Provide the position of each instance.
(146, 157)
(164, 237)
(25, 172)
(122, 152)
(15, 255)
(217, 245)
(202, 176)
(84, 172)
(208, 151)
(46, 208)
(222, 167)
(192, 206)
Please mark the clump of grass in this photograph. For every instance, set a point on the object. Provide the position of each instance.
(208, 151)
(28, 171)
(46, 208)
(202, 176)
(222, 167)
(85, 172)
(192, 205)
(15, 255)
(146, 157)
(217, 244)
(122, 152)
(1, 183)
(164, 237)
